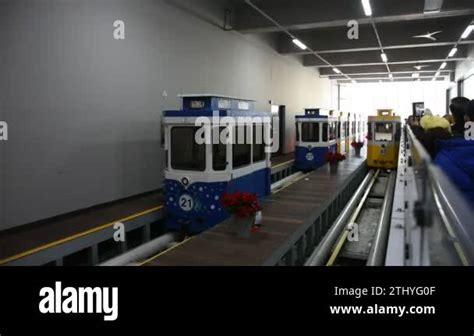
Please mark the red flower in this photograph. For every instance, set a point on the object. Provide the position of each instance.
(357, 144)
(334, 157)
(241, 204)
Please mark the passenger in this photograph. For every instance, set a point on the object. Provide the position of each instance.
(470, 112)
(435, 128)
(458, 108)
(456, 158)
(416, 128)
(450, 119)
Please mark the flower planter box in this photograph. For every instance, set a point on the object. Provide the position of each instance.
(333, 167)
(244, 208)
(243, 226)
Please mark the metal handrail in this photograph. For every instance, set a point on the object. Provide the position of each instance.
(421, 157)
(456, 214)
(437, 192)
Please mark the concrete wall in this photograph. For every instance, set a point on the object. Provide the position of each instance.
(84, 109)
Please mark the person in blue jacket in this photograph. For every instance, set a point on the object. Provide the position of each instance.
(456, 159)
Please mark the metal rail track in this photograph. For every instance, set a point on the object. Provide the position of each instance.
(359, 235)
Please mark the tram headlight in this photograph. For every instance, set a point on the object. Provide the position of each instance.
(185, 181)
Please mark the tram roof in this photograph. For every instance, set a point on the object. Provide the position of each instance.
(316, 118)
(212, 95)
(215, 113)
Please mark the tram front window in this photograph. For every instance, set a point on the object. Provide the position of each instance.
(186, 154)
(219, 151)
(384, 132)
(310, 132)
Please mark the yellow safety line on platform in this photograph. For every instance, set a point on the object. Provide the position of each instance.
(164, 252)
(282, 164)
(76, 236)
(291, 183)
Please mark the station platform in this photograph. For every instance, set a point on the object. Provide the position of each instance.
(38, 243)
(50, 241)
(295, 219)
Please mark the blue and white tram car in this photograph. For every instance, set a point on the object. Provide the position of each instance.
(234, 157)
(316, 136)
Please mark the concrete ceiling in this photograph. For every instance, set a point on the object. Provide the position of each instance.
(322, 26)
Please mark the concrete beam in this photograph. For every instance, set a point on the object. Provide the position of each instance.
(409, 67)
(396, 35)
(379, 75)
(312, 14)
(395, 56)
(365, 81)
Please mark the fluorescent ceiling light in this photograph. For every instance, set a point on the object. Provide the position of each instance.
(443, 65)
(367, 7)
(390, 76)
(384, 57)
(437, 74)
(468, 31)
(300, 44)
(336, 70)
(415, 75)
(453, 52)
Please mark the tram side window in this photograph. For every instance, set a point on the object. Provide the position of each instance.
(325, 131)
(310, 132)
(332, 131)
(384, 132)
(219, 151)
(186, 154)
(297, 133)
(242, 150)
(258, 143)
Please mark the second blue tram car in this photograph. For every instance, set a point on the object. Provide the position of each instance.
(316, 136)
(234, 158)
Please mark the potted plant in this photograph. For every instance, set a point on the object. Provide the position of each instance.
(334, 158)
(243, 207)
(357, 145)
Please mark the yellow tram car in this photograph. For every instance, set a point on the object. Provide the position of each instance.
(384, 132)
